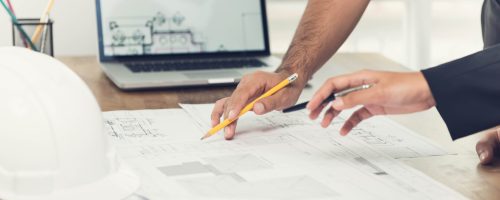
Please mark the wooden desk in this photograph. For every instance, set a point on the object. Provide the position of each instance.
(460, 171)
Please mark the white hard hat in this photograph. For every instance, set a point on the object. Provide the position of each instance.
(52, 143)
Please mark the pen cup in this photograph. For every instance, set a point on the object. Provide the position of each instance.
(44, 41)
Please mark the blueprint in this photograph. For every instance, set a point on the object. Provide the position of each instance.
(144, 27)
(274, 156)
(379, 132)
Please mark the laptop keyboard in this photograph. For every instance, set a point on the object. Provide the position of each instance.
(158, 66)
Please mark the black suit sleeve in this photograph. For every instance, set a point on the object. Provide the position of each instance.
(490, 22)
(467, 92)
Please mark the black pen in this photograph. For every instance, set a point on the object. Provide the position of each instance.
(328, 99)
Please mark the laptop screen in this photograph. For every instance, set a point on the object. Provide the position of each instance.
(177, 27)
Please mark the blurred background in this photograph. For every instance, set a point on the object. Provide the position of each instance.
(415, 33)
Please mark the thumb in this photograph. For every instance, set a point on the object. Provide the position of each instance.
(267, 104)
(485, 147)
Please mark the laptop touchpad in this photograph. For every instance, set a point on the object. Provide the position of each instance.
(212, 74)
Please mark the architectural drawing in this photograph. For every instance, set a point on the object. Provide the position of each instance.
(160, 33)
(131, 127)
(379, 132)
(137, 27)
(271, 160)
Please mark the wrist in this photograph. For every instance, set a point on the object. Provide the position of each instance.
(288, 70)
(425, 90)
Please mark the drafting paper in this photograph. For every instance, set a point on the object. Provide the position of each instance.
(378, 132)
(275, 156)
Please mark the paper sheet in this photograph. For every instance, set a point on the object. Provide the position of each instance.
(378, 132)
(274, 157)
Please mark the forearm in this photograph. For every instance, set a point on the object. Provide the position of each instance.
(467, 92)
(324, 26)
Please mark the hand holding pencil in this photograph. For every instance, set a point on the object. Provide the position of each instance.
(250, 106)
(378, 92)
(250, 88)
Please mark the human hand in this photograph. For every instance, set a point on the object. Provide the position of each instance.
(391, 93)
(251, 87)
(488, 147)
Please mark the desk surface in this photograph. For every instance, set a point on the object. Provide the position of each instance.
(459, 171)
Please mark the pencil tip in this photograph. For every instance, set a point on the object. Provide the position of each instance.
(204, 137)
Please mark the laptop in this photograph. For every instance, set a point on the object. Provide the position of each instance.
(172, 43)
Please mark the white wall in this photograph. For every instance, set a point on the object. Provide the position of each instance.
(455, 27)
(75, 30)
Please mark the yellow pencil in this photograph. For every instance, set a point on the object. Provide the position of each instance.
(249, 107)
(43, 19)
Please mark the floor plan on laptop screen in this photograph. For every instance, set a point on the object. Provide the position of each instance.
(140, 27)
(275, 156)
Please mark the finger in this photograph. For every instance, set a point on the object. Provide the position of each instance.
(238, 100)
(485, 147)
(329, 115)
(340, 83)
(315, 113)
(217, 111)
(230, 130)
(275, 102)
(226, 111)
(370, 96)
(358, 116)
(243, 94)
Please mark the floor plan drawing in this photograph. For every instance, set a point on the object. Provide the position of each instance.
(156, 34)
(272, 160)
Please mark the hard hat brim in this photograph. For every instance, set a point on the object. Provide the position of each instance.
(117, 185)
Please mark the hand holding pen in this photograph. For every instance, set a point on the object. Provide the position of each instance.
(377, 92)
(329, 99)
(390, 93)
